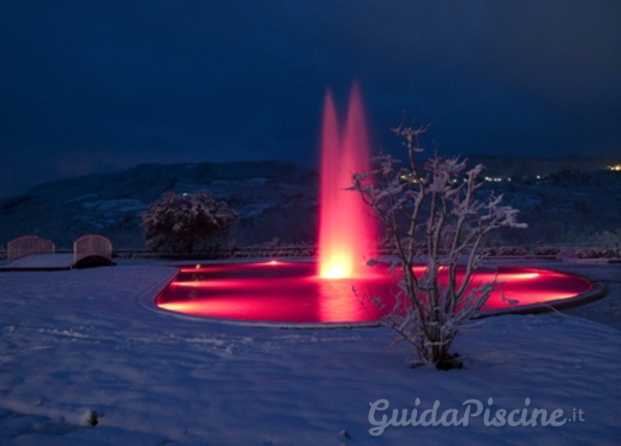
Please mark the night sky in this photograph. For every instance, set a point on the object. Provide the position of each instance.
(99, 86)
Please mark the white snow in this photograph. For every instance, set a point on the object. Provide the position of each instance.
(43, 261)
(74, 342)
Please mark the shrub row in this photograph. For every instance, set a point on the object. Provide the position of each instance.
(276, 249)
(589, 253)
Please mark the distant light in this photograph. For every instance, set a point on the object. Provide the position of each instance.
(495, 179)
(198, 266)
(273, 262)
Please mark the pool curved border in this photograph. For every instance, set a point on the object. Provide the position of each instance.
(597, 291)
(147, 300)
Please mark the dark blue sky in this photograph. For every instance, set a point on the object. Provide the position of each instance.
(102, 85)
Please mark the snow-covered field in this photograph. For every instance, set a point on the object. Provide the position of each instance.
(77, 342)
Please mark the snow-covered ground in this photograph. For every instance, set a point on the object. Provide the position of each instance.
(43, 261)
(77, 342)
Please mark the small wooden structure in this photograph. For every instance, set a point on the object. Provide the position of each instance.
(33, 253)
(92, 250)
(28, 245)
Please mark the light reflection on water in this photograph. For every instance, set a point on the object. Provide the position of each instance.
(292, 292)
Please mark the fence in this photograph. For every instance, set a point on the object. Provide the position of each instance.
(28, 245)
(91, 245)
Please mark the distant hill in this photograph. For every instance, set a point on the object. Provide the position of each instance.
(268, 196)
(572, 201)
(530, 166)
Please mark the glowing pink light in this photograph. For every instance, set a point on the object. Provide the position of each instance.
(209, 284)
(279, 291)
(293, 292)
(345, 229)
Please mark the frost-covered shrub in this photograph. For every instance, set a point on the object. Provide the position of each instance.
(431, 215)
(489, 252)
(546, 250)
(179, 223)
(389, 248)
(571, 252)
(598, 253)
(273, 249)
(511, 251)
(589, 253)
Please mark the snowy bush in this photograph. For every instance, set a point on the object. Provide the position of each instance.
(489, 252)
(589, 253)
(432, 216)
(599, 253)
(273, 249)
(570, 252)
(546, 250)
(511, 251)
(182, 222)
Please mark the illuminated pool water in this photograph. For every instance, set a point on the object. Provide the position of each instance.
(285, 292)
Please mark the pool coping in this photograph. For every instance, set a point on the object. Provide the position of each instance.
(147, 300)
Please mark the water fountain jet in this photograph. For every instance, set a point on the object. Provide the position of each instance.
(345, 229)
(305, 293)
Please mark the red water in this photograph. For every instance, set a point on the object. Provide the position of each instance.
(292, 291)
(345, 229)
